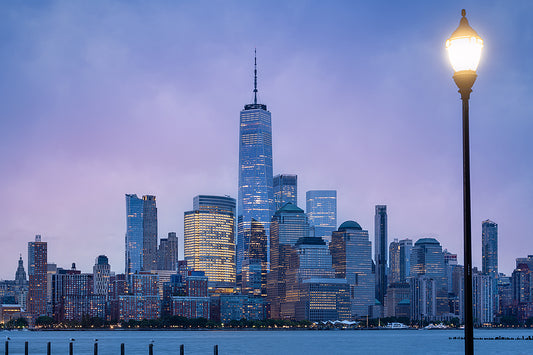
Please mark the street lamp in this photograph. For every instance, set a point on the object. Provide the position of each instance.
(464, 50)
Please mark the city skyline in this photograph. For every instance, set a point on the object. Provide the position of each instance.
(313, 74)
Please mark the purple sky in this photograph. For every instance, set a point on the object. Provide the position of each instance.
(100, 99)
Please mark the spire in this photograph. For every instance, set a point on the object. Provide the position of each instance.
(255, 76)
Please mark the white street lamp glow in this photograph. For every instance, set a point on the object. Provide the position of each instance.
(464, 47)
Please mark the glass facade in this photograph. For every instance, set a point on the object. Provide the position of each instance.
(321, 207)
(149, 233)
(209, 240)
(134, 234)
(489, 240)
(405, 259)
(351, 253)
(285, 190)
(380, 251)
(37, 277)
(394, 262)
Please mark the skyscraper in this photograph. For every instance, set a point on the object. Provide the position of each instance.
(168, 252)
(405, 258)
(255, 200)
(351, 253)
(149, 233)
(209, 240)
(37, 263)
(20, 275)
(394, 262)
(101, 276)
(489, 241)
(141, 234)
(321, 208)
(380, 251)
(285, 190)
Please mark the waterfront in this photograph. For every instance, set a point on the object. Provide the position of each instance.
(269, 342)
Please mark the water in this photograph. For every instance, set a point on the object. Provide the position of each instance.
(268, 342)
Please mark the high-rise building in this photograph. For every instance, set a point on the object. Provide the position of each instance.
(351, 253)
(20, 275)
(429, 287)
(256, 199)
(380, 251)
(37, 262)
(209, 240)
(149, 233)
(489, 241)
(321, 208)
(134, 234)
(405, 259)
(394, 262)
(285, 190)
(141, 234)
(101, 276)
(167, 254)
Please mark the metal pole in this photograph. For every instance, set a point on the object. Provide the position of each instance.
(122, 349)
(49, 348)
(182, 349)
(467, 242)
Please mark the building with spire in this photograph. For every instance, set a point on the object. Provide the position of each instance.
(20, 275)
(255, 197)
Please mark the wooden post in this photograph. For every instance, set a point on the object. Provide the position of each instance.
(26, 348)
(151, 349)
(7, 347)
(95, 348)
(122, 350)
(71, 348)
(49, 348)
(182, 349)
(215, 350)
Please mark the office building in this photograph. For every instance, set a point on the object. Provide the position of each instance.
(351, 253)
(380, 251)
(37, 274)
(394, 262)
(406, 245)
(209, 240)
(321, 208)
(429, 287)
(20, 274)
(102, 276)
(167, 254)
(396, 299)
(256, 198)
(285, 189)
(149, 233)
(134, 235)
(489, 250)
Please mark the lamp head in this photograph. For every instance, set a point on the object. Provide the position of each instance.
(464, 47)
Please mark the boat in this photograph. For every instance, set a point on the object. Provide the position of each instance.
(396, 325)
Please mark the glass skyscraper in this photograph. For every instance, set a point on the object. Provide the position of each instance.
(351, 253)
(285, 190)
(406, 245)
(489, 241)
(255, 200)
(209, 240)
(380, 251)
(141, 234)
(321, 208)
(37, 274)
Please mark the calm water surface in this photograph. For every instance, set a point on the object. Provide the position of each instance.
(268, 342)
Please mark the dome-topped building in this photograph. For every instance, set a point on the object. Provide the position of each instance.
(350, 225)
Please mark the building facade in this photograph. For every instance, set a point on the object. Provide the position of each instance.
(285, 187)
(394, 262)
(321, 208)
(37, 274)
(489, 249)
(380, 251)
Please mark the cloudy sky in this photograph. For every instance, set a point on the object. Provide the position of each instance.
(103, 98)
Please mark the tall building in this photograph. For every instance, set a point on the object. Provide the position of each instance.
(256, 199)
(149, 233)
(321, 208)
(101, 276)
(394, 262)
(134, 234)
(405, 259)
(489, 250)
(167, 254)
(380, 251)
(209, 240)
(351, 253)
(37, 263)
(285, 190)
(20, 275)
(429, 287)
(141, 234)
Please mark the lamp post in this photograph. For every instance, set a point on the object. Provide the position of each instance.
(464, 50)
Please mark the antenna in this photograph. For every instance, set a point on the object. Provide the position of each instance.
(255, 76)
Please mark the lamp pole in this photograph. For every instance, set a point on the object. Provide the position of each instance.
(464, 49)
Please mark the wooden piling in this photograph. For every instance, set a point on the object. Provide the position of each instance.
(182, 349)
(26, 348)
(122, 349)
(151, 349)
(49, 348)
(215, 350)
(7, 347)
(71, 348)
(95, 348)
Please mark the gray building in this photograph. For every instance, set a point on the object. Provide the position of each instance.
(285, 187)
(394, 262)
(489, 250)
(321, 208)
(351, 253)
(406, 245)
(380, 251)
